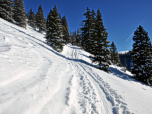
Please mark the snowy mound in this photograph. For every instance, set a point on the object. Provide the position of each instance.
(35, 79)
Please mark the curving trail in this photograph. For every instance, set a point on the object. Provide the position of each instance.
(94, 95)
(102, 93)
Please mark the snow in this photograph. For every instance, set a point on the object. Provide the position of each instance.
(35, 79)
(123, 52)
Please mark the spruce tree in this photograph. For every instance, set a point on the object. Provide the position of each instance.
(91, 40)
(78, 38)
(6, 10)
(117, 59)
(31, 19)
(40, 19)
(65, 30)
(114, 54)
(19, 13)
(49, 29)
(141, 55)
(100, 51)
(86, 29)
(73, 38)
(54, 34)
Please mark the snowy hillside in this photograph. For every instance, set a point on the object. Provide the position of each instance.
(35, 79)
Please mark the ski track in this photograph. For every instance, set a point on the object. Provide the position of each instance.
(118, 104)
(46, 82)
(89, 82)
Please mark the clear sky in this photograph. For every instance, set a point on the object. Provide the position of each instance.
(120, 17)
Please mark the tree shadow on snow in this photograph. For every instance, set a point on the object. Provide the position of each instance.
(84, 55)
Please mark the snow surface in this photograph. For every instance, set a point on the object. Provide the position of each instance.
(123, 52)
(35, 79)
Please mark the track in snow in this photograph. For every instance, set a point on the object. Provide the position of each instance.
(94, 95)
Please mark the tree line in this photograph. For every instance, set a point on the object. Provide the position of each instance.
(126, 59)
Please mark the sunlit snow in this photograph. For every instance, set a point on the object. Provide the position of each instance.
(35, 79)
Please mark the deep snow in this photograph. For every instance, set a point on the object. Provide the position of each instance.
(35, 79)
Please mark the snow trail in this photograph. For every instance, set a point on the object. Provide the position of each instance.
(89, 82)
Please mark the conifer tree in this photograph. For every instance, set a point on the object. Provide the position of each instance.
(78, 38)
(19, 13)
(100, 51)
(114, 54)
(6, 10)
(54, 34)
(141, 55)
(117, 59)
(91, 40)
(65, 29)
(31, 18)
(73, 38)
(86, 29)
(48, 27)
(40, 19)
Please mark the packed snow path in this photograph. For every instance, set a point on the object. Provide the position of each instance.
(35, 79)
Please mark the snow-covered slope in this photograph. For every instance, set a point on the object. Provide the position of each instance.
(35, 79)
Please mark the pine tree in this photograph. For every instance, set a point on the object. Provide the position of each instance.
(66, 37)
(86, 29)
(40, 19)
(78, 38)
(141, 55)
(91, 40)
(48, 27)
(6, 10)
(114, 54)
(54, 34)
(73, 38)
(19, 13)
(100, 51)
(117, 59)
(31, 19)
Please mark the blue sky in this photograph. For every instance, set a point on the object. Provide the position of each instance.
(120, 17)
